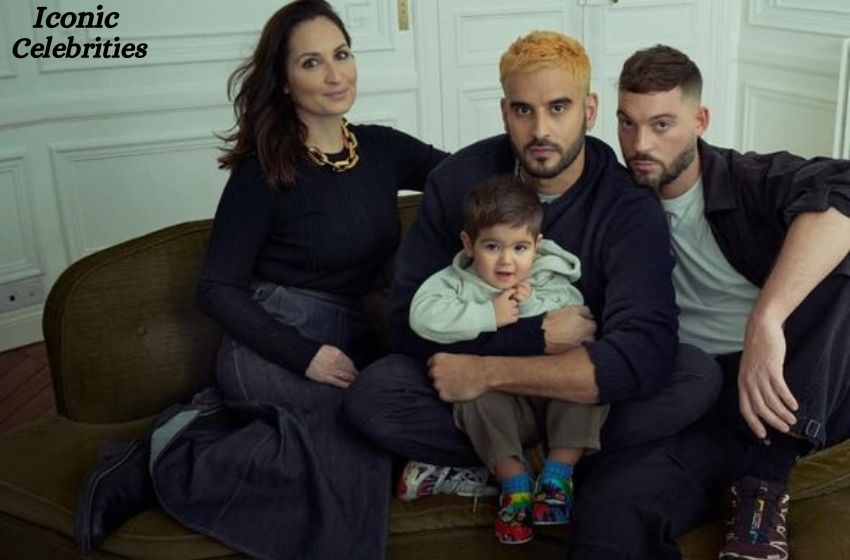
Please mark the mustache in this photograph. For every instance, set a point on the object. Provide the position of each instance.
(542, 144)
(644, 157)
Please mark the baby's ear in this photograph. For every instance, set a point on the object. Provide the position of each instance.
(539, 239)
(467, 244)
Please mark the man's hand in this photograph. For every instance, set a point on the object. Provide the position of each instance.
(523, 292)
(506, 308)
(566, 328)
(763, 394)
(457, 377)
(330, 365)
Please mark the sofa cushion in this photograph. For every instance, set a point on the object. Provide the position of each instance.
(822, 473)
(471, 544)
(441, 512)
(39, 494)
(20, 540)
(42, 492)
(43, 488)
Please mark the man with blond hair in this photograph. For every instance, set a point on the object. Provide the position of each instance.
(627, 355)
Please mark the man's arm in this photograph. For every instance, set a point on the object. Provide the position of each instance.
(634, 353)
(815, 244)
(569, 376)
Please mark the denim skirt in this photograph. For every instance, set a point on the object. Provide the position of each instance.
(265, 462)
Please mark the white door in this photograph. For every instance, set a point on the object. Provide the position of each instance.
(384, 37)
(613, 30)
(473, 34)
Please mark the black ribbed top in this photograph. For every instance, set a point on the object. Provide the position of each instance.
(333, 232)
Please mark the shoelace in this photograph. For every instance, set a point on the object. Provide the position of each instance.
(758, 522)
(454, 480)
(449, 480)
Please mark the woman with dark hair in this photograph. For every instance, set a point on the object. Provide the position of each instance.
(312, 200)
(305, 229)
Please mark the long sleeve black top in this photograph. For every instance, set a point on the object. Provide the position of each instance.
(617, 230)
(332, 232)
(751, 200)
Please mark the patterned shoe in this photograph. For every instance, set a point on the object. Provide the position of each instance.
(553, 500)
(757, 528)
(421, 479)
(513, 522)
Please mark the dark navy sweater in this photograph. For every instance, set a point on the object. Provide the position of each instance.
(617, 230)
(332, 232)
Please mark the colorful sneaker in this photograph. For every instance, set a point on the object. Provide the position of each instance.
(553, 500)
(421, 479)
(513, 522)
(757, 528)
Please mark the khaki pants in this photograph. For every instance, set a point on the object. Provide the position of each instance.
(500, 425)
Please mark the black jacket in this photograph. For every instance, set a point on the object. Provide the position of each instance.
(751, 199)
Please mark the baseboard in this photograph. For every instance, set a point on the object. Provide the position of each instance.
(20, 328)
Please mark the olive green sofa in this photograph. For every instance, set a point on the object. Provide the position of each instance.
(125, 340)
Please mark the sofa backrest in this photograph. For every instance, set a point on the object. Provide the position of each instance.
(124, 336)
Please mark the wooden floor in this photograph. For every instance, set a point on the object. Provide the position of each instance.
(25, 389)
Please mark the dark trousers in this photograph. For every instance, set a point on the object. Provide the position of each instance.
(394, 404)
(654, 493)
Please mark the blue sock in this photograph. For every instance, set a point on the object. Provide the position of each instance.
(556, 469)
(521, 482)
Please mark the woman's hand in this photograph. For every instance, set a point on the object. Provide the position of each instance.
(330, 365)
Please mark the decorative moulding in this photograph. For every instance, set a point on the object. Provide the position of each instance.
(15, 194)
(823, 17)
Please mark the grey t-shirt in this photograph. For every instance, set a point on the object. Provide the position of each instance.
(715, 300)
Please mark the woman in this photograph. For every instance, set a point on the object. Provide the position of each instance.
(305, 228)
(312, 200)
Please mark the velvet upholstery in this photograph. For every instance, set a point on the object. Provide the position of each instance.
(125, 341)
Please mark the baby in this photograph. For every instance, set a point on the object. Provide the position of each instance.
(504, 272)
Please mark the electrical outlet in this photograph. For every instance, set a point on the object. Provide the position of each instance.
(22, 293)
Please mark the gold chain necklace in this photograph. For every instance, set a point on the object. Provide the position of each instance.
(349, 141)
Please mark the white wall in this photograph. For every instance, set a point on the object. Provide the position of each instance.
(705, 30)
(96, 152)
(789, 62)
(473, 34)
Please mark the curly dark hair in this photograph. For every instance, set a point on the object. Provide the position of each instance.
(267, 125)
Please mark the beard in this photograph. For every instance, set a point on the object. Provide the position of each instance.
(668, 174)
(537, 169)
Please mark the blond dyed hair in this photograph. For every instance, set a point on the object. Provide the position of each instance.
(546, 49)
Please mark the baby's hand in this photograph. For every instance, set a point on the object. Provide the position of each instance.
(523, 292)
(506, 308)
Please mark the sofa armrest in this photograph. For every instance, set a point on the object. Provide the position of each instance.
(123, 334)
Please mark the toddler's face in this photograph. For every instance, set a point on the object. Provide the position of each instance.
(502, 255)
